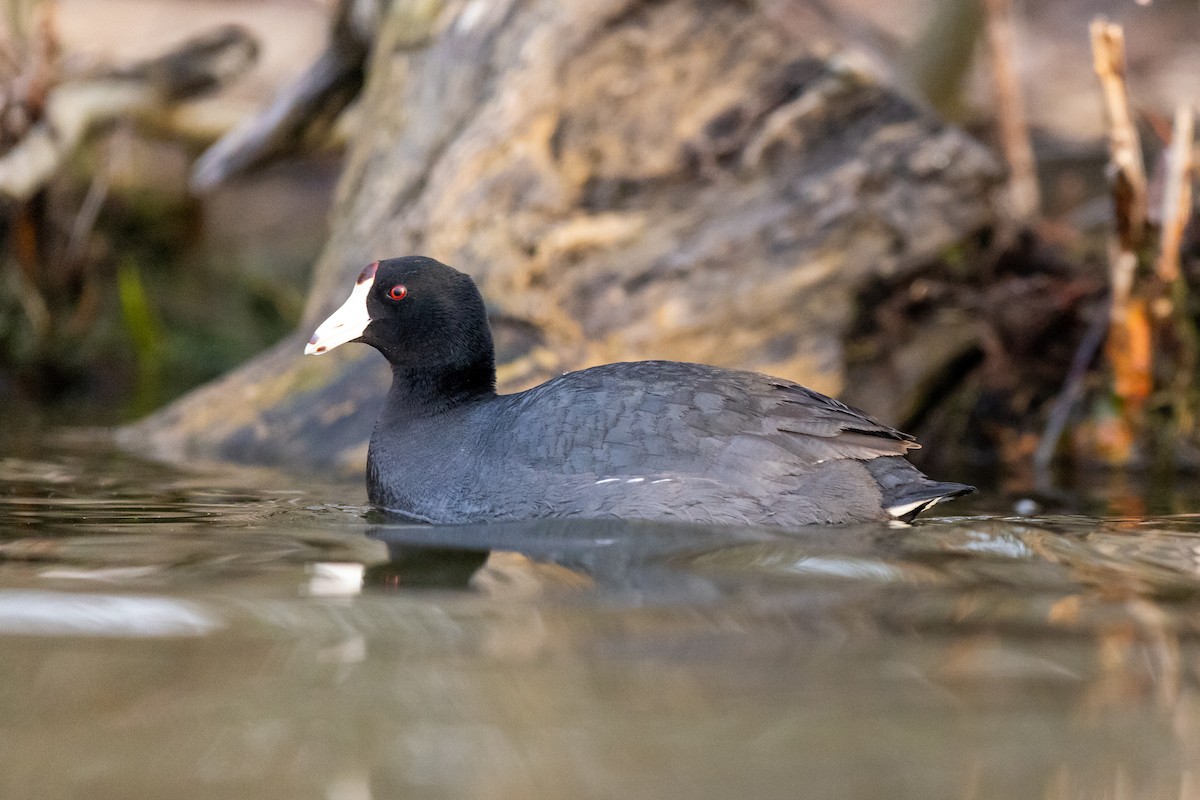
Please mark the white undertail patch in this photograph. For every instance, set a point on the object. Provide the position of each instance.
(904, 509)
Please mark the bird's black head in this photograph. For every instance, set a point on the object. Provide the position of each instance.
(421, 314)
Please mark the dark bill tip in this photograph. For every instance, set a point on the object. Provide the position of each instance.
(368, 273)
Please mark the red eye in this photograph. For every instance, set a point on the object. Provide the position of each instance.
(398, 292)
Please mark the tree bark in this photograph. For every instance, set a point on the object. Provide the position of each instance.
(682, 179)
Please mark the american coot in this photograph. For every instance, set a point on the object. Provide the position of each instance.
(645, 439)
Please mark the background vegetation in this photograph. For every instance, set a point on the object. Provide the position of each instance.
(1065, 326)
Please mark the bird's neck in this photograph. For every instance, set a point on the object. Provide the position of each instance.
(428, 390)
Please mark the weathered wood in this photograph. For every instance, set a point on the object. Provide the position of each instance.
(679, 179)
(305, 110)
(76, 107)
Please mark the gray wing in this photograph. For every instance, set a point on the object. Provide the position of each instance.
(655, 417)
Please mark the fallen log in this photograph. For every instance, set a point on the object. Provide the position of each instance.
(679, 179)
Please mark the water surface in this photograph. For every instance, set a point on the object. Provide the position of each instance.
(232, 633)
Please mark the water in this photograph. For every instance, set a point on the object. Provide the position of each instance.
(230, 633)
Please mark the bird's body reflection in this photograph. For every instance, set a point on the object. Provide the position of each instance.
(650, 558)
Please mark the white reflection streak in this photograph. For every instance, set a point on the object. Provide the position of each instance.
(997, 545)
(336, 579)
(40, 613)
(845, 568)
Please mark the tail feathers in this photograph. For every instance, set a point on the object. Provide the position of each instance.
(906, 507)
(907, 491)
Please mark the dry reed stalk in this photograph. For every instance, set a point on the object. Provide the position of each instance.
(1125, 149)
(1171, 306)
(1129, 348)
(1024, 199)
(1177, 194)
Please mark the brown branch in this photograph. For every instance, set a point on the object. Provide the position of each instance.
(1129, 349)
(1125, 149)
(1023, 191)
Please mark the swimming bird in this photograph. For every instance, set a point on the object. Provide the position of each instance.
(640, 440)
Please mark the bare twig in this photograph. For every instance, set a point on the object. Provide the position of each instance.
(1171, 305)
(1010, 110)
(1129, 348)
(1177, 194)
(1125, 149)
(85, 220)
(1072, 392)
